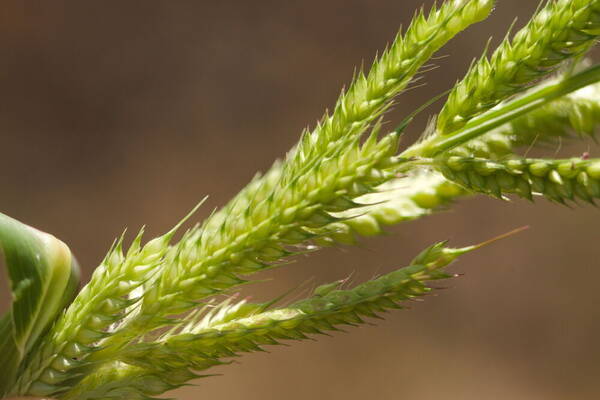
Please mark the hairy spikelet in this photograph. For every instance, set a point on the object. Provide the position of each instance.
(561, 30)
(226, 332)
(141, 380)
(557, 180)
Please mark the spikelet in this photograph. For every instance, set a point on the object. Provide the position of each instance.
(403, 199)
(209, 262)
(117, 380)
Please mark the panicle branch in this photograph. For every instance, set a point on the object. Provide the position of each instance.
(561, 30)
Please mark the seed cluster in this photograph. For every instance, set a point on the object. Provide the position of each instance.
(557, 180)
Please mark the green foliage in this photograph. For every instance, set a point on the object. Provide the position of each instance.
(44, 277)
(149, 319)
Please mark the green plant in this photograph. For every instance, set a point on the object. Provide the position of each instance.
(155, 314)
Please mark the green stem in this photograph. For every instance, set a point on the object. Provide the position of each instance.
(505, 113)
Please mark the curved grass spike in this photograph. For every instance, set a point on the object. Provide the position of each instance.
(561, 30)
(152, 376)
(44, 278)
(369, 96)
(205, 344)
(557, 180)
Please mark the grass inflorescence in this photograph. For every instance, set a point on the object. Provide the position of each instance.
(154, 315)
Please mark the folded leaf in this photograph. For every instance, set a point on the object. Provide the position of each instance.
(44, 277)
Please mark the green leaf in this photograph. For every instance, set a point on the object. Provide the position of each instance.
(44, 278)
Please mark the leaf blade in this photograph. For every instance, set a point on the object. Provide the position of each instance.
(44, 277)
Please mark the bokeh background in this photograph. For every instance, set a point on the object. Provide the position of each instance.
(120, 114)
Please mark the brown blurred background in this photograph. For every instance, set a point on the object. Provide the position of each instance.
(119, 114)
